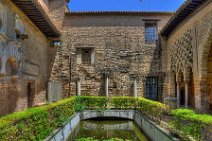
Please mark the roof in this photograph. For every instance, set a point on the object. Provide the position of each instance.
(119, 13)
(33, 10)
(180, 15)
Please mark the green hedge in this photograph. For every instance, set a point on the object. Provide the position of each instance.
(91, 102)
(190, 123)
(93, 139)
(36, 123)
(152, 109)
(123, 102)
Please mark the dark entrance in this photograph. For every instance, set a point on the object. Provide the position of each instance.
(182, 96)
(30, 94)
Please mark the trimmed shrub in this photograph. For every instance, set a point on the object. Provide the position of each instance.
(190, 123)
(92, 139)
(36, 123)
(152, 109)
(124, 102)
(92, 102)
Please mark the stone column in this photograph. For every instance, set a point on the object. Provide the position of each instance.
(135, 91)
(186, 94)
(178, 94)
(178, 81)
(106, 85)
(171, 87)
(78, 88)
(186, 80)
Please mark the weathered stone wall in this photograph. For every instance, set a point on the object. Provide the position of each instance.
(24, 63)
(186, 52)
(119, 48)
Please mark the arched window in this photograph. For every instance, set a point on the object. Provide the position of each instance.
(11, 66)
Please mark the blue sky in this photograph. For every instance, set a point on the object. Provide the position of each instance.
(125, 5)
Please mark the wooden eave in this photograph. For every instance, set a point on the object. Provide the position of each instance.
(33, 10)
(119, 13)
(180, 15)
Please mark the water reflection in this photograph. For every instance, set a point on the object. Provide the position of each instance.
(106, 129)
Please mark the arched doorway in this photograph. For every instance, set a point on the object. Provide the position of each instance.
(30, 94)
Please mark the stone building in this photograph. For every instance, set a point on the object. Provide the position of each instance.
(25, 54)
(158, 55)
(187, 55)
(111, 54)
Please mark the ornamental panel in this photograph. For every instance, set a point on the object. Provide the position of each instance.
(181, 55)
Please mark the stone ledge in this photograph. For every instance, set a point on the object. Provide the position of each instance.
(150, 128)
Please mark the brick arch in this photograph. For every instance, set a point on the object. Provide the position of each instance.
(202, 87)
(206, 46)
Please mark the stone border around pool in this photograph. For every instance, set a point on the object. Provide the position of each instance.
(151, 129)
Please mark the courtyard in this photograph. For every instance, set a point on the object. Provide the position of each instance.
(105, 71)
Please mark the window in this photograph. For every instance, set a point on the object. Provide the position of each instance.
(151, 33)
(86, 56)
(151, 88)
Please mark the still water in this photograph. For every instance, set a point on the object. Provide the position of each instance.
(107, 129)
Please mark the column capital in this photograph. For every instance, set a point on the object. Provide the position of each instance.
(186, 76)
(179, 77)
(133, 76)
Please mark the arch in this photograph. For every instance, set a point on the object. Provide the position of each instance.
(203, 88)
(204, 55)
(11, 66)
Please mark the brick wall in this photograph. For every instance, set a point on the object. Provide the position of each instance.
(31, 57)
(119, 45)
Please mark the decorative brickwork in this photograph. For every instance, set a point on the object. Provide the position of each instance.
(181, 53)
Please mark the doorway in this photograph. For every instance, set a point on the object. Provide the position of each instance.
(30, 94)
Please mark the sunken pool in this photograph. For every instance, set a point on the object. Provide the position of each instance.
(104, 129)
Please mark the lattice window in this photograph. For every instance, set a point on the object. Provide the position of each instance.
(151, 32)
(151, 88)
(86, 56)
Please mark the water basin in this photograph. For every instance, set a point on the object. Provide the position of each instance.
(103, 129)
